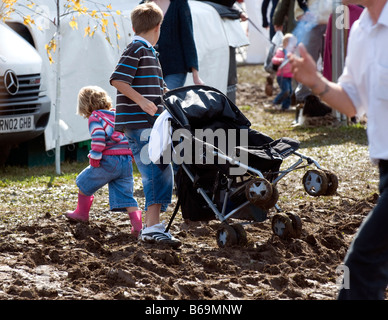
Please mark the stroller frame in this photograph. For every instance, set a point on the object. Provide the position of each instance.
(285, 225)
(221, 215)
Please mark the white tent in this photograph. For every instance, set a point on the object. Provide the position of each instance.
(91, 60)
(259, 40)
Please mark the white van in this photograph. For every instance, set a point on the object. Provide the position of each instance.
(24, 107)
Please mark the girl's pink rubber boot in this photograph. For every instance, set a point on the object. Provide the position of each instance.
(136, 222)
(81, 213)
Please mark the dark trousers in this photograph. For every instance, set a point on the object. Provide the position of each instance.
(367, 258)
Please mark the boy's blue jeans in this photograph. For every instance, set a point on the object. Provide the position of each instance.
(157, 184)
(367, 258)
(284, 96)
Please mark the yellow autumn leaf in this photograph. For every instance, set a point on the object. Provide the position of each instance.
(87, 31)
(73, 24)
(27, 20)
(118, 12)
(104, 22)
(109, 6)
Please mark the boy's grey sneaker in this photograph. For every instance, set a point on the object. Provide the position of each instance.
(156, 234)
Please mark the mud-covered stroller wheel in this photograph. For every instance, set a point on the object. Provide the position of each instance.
(226, 236)
(242, 238)
(296, 225)
(282, 226)
(332, 183)
(287, 225)
(259, 192)
(274, 198)
(315, 182)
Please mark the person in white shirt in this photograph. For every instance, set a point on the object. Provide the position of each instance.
(362, 89)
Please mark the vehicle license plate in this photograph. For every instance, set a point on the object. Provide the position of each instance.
(16, 124)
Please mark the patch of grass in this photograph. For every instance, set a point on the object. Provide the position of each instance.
(44, 175)
(327, 135)
(41, 175)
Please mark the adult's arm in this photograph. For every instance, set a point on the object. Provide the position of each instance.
(305, 71)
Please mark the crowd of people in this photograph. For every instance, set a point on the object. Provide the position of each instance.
(359, 91)
(310, 22)
(143, 74)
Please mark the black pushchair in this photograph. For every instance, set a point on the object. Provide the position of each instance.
(218, 179)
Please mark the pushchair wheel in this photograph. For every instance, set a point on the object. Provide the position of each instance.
(332, 184)
(226, 236)
(242, 239)
(315, 182)
(282, 225)
(259, 192)
(287, 225)
(296, 224)
(274, 198)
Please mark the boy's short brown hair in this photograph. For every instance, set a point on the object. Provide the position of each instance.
(145, 17)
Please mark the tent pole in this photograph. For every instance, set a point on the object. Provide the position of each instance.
(58, 95)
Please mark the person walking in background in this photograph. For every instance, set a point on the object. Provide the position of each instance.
(360, 90)
(110, 160)
(312, 23)
(267, 22)
(176, 45)
(284, 74)
(139, 81)
(283, 17)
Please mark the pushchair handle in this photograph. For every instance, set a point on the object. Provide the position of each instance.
(151, 119)
(179, 118)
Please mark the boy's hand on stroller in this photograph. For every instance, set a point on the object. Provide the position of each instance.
(148, 106)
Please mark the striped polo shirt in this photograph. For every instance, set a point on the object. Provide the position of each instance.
(139, 67)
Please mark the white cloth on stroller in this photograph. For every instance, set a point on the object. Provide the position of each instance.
(160, 137)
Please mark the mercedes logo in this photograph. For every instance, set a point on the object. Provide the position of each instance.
(11, 82)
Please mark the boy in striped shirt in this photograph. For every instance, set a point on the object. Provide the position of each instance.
(110, 160)
(138, 79)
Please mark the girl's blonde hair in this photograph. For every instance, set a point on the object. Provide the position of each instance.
(92, 98)
(287, 38)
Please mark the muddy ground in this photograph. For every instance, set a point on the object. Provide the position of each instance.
(47, 257)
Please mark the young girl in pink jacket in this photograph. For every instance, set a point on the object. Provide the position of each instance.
(110, 160)
(284, 74)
